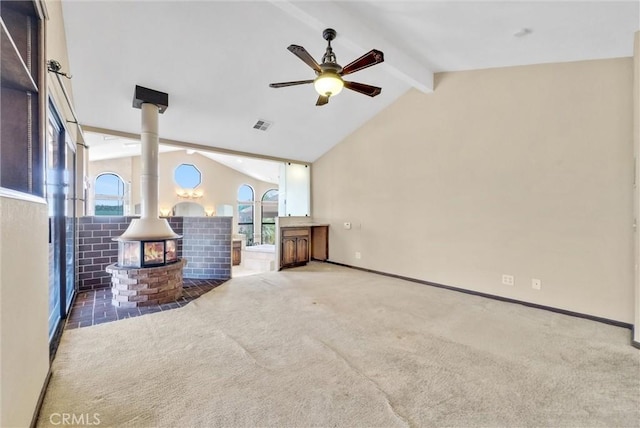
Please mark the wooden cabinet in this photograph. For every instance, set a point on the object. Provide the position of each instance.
(294, 246)
(236, 253)
(299, 244)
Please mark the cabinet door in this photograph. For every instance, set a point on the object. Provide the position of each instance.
(320, 243)
(236, 256)
(302, 249)
(288, 254)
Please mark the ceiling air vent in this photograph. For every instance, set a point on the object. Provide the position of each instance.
(262, 125)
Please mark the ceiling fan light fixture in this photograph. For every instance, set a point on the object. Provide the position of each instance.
(328, 84)
(328, 81)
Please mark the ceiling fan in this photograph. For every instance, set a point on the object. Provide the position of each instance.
(328, 81)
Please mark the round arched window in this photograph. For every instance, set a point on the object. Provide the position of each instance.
(109, 195)
(187, 176)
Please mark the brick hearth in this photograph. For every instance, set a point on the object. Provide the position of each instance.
(146, 286)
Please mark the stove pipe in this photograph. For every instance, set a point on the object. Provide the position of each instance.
(149, 226)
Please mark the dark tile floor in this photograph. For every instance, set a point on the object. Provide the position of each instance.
(94, 307)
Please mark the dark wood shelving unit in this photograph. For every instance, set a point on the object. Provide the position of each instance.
(15, 73)
(22, 109)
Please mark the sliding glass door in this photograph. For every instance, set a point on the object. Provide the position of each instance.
(60, 189)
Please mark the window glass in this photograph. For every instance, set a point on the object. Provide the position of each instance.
(269, 214)
(187, 176)
(245, 193)
(247, 231)
(270, 196)
(109, 207)
(245, 212)
(109, 195)
(109, 184)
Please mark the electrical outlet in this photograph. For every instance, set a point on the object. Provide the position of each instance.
(536, 284)
(347, 225)
(508, 280)
(358, 255)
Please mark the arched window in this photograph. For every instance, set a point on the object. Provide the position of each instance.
(109, 195)
(269, 213)
(245, 212)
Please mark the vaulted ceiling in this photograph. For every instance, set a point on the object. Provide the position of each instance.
(216, 59)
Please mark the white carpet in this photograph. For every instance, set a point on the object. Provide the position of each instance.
(324, 346)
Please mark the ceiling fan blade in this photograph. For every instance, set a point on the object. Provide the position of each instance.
(372, 91)
(372, 57)
(322, 100)
(302, 53)
(285, 84)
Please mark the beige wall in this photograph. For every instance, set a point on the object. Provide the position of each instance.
(56, 49)
(24, 308)
(219, 183)
(24, 305)
(524, 171)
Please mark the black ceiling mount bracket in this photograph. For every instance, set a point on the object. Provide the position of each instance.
(145, 95)
(54, 66)
(329, 57)
(329, 34)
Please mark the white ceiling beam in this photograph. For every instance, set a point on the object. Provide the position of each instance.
(357, 36)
